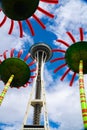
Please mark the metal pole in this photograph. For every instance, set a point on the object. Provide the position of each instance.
(2, 95)
(82, 95)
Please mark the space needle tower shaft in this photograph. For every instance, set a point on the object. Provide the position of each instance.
(41, 58)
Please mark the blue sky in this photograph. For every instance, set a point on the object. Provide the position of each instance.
(63, 102)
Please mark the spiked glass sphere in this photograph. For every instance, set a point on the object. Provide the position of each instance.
(20, 10)
(17, 67)
(72, 56)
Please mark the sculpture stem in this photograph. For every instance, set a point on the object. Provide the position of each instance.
(6, 87)
(82, 95)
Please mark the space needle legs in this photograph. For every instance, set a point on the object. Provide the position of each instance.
(41, 103)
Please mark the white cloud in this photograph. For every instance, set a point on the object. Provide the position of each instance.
(10, 127)
(60, 104)
(12, 106)
(69, 16)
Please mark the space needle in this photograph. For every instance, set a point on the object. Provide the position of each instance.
(42, 53)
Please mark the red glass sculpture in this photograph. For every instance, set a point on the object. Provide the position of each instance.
(20, 10)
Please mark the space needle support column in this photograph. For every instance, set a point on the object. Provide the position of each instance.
(45, 108)
(37, 107)
(82, 95)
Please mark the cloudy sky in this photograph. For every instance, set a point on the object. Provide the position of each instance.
(63, 102)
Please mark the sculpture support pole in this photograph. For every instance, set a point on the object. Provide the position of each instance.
(2, 95)
(82, 95)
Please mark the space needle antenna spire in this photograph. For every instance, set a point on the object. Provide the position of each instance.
(42, 53)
